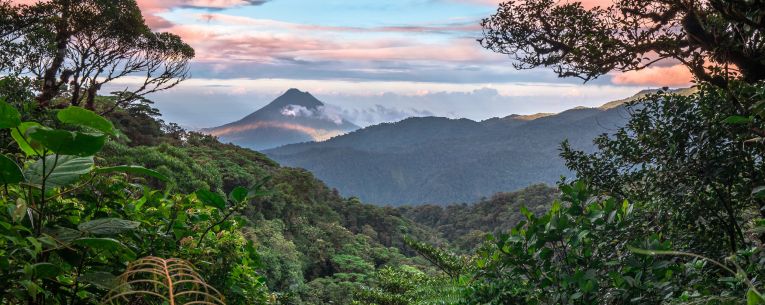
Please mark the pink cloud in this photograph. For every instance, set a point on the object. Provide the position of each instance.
(254, 22)
(656, 76)
(271, 41)
(149, 8)
(456, 51)
(214, 4)
(152, 8)
(213, 44)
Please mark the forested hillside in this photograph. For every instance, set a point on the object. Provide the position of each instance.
(440, 161)
(466, 226)
(314, 245)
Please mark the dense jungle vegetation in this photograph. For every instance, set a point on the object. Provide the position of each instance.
(103, 202)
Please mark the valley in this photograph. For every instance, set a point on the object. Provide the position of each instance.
(431, 160)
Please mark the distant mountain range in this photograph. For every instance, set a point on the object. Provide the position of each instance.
(293, 117)
(440, 160)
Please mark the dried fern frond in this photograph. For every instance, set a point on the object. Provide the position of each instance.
(153, 280)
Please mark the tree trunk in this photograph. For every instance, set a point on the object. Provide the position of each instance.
(50, 85)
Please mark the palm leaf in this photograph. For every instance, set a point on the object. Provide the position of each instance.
(153, 280)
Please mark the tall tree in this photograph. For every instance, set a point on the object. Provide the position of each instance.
(631, 35)
(682, 157)
(687, 156)
(74, 48)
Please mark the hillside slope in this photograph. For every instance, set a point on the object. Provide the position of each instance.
(465, 226)
(440, 160)
(315, 246)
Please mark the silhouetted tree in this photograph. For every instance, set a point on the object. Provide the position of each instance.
(631, 35)
(75, 47)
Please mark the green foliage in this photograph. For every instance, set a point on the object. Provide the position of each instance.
(404, 285)
(56, 171)
(19, 134)
(64, 142)
(576, 253)
(10, 172)
(69, 226)
(465, 226)
(454, 266)
(211, 199)
(131, 169)
(688, 163)
(9, 116)
(83, 117)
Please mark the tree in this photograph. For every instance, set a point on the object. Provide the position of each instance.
(9, 34)
(631, 35)
(678, 153)
(684, 156)
(693, 162)
(74, 48)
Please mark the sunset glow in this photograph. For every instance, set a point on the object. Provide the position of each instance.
(349, 53)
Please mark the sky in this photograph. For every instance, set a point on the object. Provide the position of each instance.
(370, 60)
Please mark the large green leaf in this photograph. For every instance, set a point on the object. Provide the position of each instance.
(754, 298)
(61, 170)
(10, 172)
(45, 270)
(107, 245)
(100, 279)
(80, 116)
(23, 140)
(738, 120)
(238, 194)
(132, 169)
(211, 199)
(9, 116)
(62, 235)
(108, 226)
(67, 142)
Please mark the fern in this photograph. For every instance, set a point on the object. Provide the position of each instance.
(440, 293)
(153, 280)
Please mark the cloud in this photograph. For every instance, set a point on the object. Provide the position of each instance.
(220, 4)
(316, 134)
(231, 20)
(381, 114)
(274, 42)
(321, 112)
(152, 9)
(296, 111)
(656, 76)
(165, 5)
(228, 38)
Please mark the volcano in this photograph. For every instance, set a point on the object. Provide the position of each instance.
(293, 117)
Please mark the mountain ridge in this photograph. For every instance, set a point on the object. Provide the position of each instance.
(440, 160)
